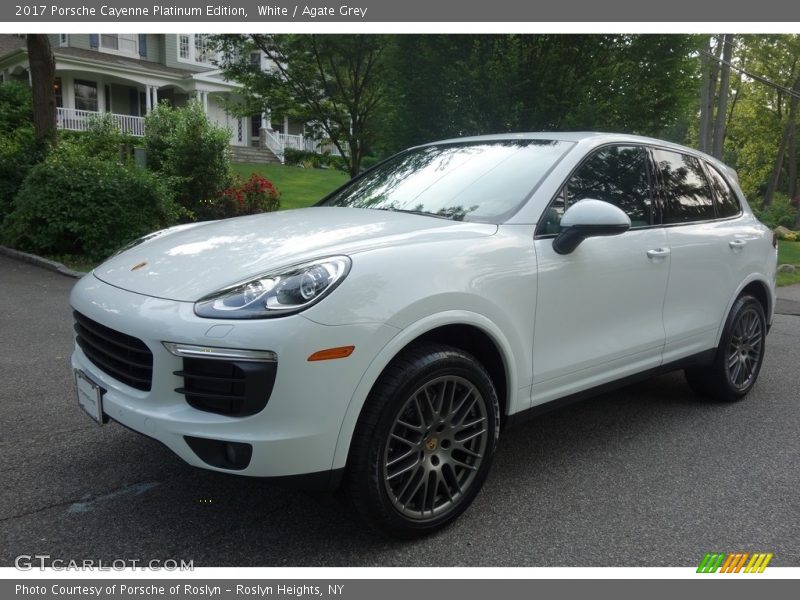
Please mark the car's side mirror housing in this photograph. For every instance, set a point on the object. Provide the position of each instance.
(589, 218)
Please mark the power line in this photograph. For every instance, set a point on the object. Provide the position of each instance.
(759, 78)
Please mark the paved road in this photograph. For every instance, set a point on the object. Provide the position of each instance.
(647, 476)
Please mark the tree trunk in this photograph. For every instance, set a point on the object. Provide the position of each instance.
(792, 162)
(722, 101)
(705, 94)
(777, 168)
(43, 69)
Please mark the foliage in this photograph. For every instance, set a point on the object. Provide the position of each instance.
(103, 138)
(334, 83)
(16, 110)
(76, 203)
(19, 149)
(454, 85)
(255, 195)
(780, 212)
(192, 154)
(298, 187)
(314, 160)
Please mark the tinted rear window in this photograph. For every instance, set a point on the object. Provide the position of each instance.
(727, 202)
(484, 182)
(687, 195)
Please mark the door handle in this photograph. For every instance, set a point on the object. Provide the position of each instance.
(657, 253)
(737, 244)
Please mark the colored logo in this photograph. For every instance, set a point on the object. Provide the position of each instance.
(738, 562)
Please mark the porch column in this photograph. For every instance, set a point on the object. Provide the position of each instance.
(266, 120)
(205, 102)
(285, 125)
(148, 104)
(155, 96)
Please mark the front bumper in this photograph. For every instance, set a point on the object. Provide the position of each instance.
(297, 431)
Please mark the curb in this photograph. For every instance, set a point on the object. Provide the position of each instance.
(45, 263)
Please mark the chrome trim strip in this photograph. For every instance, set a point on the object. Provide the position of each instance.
(214, 353)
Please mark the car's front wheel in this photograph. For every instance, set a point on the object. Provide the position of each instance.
(424, 442)
(737, 362)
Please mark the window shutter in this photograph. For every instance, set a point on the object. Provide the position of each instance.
(94, 40)
(143, 45)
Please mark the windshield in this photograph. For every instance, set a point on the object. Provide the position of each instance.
(471, 181)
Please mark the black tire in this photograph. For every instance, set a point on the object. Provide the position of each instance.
(739, 356)
(420, 453)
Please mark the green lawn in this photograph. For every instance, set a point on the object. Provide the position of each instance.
(789, 253)
(298, 187)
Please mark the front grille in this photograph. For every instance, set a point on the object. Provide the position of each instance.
(236, 388)
(121, 356)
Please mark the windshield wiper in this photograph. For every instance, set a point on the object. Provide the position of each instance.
(423, 213)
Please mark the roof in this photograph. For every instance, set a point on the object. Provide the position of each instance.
(593, 138)
(10, 44)
(121, 62)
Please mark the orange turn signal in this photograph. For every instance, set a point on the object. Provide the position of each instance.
(332, 353)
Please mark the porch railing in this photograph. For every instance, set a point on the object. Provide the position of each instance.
(278, 142)
(79, 120)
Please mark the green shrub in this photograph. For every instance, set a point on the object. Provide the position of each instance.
(16, 107)
(73, 203)
(192, 154)
(19, 151)
(780, 212)
(102, 139)
(313, 160)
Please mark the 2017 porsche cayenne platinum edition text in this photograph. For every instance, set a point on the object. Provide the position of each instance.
(382, 339)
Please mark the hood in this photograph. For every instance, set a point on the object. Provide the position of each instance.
(191, 262)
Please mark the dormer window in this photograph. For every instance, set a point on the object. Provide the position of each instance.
(120, 43)
(195, 48)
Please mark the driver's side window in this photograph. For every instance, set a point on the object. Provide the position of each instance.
(614, 174)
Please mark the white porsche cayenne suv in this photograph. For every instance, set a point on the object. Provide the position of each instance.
(382, 339)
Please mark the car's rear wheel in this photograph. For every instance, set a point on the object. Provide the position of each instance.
(739, 356)
(424, 442)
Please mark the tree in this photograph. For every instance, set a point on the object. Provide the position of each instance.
(334, 83)
(722, 96)
(43, 69)
(452, 85)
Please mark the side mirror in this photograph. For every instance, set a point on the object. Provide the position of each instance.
(589, 218)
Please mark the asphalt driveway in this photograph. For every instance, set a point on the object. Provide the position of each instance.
(647, 476)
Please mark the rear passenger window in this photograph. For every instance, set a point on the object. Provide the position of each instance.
(727, 202)
(687, 195)
(615, 174)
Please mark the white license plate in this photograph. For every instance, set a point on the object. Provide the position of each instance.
(90, 396)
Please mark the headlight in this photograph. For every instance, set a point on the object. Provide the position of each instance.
(274, 294)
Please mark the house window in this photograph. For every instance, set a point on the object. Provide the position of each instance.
(201, 51)
(183, 46)
(58, 92)
(195, 48)
(255, 59)
(123, 43)
(86, 95)
(63, 39)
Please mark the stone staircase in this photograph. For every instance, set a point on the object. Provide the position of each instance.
(253, 154)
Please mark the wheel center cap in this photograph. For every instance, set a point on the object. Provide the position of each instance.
(432, 443)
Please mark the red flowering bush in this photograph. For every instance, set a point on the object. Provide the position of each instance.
(256, 195)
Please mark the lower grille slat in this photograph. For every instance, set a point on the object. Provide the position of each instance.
(119, 355)
(227, 387)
